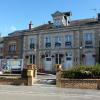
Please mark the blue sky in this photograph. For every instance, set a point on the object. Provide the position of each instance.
(16, 14)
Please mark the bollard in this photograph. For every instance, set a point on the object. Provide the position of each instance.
(31, 74)
(58, 68)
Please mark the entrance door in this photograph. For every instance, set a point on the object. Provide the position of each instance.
(48, 63)
(89, 59)
(68, 61)
(58, 59)
(32, 59)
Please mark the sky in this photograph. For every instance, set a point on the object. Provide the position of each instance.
(16, 14)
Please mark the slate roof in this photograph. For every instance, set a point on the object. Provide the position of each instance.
(80, 22)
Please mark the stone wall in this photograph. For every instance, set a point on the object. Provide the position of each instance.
(6, 81)
(77, 83)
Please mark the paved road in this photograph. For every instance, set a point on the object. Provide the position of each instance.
(46, 92)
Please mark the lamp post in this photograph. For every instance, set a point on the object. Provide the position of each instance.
(80, 54)
(35, 52)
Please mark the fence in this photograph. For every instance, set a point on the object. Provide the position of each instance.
(11, 64)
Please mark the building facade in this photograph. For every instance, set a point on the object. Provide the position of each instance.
(63, 42)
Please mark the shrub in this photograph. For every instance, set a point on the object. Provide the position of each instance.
(81, 72)
(7, 72)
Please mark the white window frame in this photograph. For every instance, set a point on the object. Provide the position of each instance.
(68, 38)
(31, 57)
(47, 39)
(12, 47)
(88, 36)
(31, 41)
(58, 39)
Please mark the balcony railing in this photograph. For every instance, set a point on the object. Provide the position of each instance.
(48, 45)
(68, 44)
(57, 44)
(88, 44)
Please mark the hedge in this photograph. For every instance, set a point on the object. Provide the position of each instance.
(82, 72)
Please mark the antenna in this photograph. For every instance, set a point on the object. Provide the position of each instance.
(95, 10)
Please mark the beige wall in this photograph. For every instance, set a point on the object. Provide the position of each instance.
(77, 34)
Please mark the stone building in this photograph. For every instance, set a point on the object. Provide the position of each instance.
(63, 42)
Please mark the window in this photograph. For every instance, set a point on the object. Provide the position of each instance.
(48, 59)
(47, 54)
(1, 49)
(32, 59)
(58, 58)
(32, 45)
(68, 40)
(47, 41)
(88, 40)
(58, 22)
(68, 58)
(12, 47)
(88, 36)
(57, 41)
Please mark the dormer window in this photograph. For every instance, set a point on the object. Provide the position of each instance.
(61, 18)
(57, 41)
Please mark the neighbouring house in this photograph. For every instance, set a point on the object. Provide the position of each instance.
(1, 47)
(13, 44)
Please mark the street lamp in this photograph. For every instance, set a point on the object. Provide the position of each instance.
(34, 50)
(80, 54)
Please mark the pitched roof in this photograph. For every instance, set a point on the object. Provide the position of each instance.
(43, 27)
(80, 22)
(88, 21)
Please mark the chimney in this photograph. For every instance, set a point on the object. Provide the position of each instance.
(49, 22)
(99, 17)
(30, 25)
